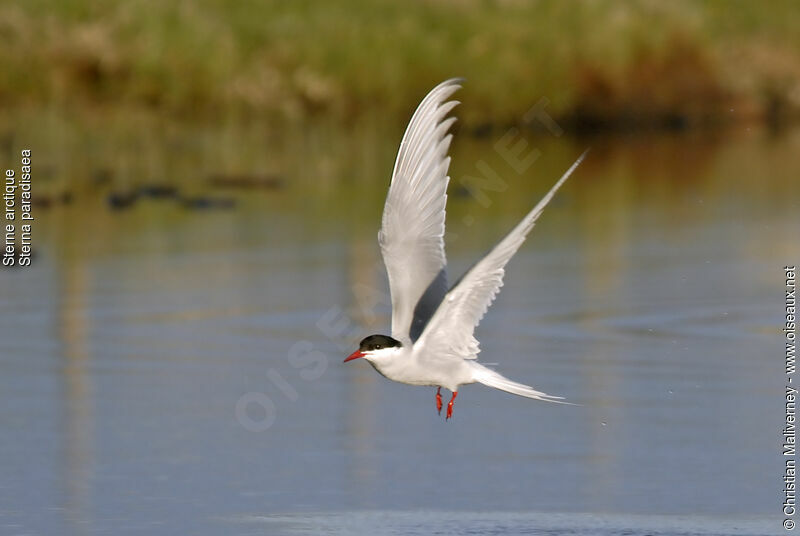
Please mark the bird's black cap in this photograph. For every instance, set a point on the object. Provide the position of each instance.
(376, 342)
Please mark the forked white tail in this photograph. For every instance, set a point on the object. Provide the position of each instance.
(489, 377)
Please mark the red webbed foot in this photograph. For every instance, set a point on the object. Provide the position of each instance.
(450, 405)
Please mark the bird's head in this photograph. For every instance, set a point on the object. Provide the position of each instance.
(376, 347)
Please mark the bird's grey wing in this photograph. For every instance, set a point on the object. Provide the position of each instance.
(412, 227)
(449, 334)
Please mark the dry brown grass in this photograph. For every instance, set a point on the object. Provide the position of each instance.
(600, 63)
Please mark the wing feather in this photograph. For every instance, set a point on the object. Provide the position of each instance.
(412, 228)
(450, 332)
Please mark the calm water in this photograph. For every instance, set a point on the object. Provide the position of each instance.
(145, 347)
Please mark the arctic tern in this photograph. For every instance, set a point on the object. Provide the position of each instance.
(432, 341)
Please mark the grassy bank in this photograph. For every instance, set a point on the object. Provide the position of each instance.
(599, 63)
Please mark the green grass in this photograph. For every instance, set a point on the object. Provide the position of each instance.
(599, 63)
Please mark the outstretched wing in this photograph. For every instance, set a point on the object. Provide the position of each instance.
(449, 334)
(412, 228)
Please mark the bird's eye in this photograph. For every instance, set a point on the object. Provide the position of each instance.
(378, 346)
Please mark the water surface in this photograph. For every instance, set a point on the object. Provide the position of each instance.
(650, 293)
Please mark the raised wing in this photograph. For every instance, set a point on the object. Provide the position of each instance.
(449, 334)
(412, 228)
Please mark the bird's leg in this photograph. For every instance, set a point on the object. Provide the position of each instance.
(439, 400)
(450, 405)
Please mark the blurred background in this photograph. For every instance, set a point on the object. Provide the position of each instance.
(208, 179)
